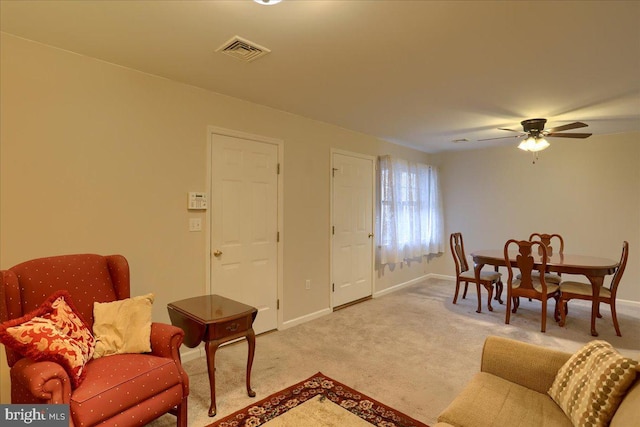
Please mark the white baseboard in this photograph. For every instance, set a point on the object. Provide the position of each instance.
(400, 286)
(192, 353)
(441, 276)
(305, 318)
(624, 302)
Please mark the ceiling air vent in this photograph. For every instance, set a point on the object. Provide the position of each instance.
(242, 49)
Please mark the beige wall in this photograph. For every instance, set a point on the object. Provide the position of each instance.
(99, 158)
(586, 190)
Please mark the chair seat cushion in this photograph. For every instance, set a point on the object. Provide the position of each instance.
(548, 277)
(489, 276)
(489, 401)
(115, 383)
(580, 288)
(551, 287)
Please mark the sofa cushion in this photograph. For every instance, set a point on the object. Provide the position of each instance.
(108, 390)
(489, 400)
(591, 384)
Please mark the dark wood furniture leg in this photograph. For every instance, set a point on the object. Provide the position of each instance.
(251, 340)
(489, 287)
(210, 348)
(596, 284)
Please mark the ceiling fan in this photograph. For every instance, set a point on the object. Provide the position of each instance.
(535, 133)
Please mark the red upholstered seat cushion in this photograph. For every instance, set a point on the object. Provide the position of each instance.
(116, 383)
(53, 332)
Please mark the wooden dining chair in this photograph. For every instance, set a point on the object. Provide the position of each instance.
(578, 290)
(548, 240)
(467, 275)
(528, 285)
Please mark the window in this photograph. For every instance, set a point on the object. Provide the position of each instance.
(411, 223)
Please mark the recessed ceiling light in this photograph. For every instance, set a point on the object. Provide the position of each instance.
(267, 2)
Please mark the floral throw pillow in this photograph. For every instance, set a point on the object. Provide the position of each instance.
(54, 332)
(591, 384)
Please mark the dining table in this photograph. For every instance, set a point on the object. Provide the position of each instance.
(595, 269)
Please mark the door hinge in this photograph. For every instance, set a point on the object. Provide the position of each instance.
(278, 169)
(333, 287)
(333, 229)
(278, 236)
(278, 304)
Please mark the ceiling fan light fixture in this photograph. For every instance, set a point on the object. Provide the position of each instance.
(533, 144)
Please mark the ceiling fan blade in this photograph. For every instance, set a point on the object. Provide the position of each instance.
(570, 135)
(574, 125)
(510, 130)
(502, 137)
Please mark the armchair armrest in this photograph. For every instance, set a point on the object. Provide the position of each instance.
(44, 381)
(166, 340)
(528, 365)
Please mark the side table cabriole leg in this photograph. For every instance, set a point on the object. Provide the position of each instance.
(251, 340)
(210, 348)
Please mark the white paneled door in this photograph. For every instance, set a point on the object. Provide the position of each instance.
(244, 224)
(352, 227)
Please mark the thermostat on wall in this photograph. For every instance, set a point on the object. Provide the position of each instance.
(197, 200)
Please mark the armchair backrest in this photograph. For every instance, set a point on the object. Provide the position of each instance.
(87, 277)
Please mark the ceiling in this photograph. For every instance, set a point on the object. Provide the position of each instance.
(417, 73)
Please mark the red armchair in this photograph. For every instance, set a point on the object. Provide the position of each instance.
(122, 389)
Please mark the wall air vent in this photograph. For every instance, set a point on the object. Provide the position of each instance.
(242, 49)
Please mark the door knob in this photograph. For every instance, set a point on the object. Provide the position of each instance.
(217, 253)
(370, 235)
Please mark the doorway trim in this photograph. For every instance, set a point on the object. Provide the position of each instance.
(214, 130)
(373, 216)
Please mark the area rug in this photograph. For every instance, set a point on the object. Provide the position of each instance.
(317, 402)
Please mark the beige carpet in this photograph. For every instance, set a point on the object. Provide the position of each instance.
(411, 349)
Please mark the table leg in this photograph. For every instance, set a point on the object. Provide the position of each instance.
(596, 284)
(210, 348)
(251, 339)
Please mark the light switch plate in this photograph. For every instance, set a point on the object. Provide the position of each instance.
(195, 224)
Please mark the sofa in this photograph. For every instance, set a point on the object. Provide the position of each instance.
(512, 387)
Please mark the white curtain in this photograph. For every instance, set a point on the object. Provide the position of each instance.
(411, 219)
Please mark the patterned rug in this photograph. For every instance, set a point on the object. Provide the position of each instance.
(318, 388)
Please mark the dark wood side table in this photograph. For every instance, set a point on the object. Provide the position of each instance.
(215, 320)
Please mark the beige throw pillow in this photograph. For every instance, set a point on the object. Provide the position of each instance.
(591, 384)
(122, 326)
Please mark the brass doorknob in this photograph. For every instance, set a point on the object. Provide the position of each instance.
(217, 253)
(370, 235)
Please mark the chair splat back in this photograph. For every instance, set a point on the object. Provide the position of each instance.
(457, 249)
(546, 240)
(525, 261)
